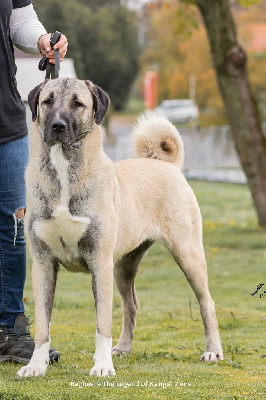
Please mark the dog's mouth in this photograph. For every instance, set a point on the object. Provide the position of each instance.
(63, 142)
(53, 141)
(66, 142)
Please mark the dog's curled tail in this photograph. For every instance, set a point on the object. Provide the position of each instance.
(154, 136)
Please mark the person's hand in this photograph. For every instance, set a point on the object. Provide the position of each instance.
(45, 48)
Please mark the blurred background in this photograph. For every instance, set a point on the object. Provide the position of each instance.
(146, 52)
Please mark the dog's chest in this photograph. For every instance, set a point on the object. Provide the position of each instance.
(63, 231)
(62, 234)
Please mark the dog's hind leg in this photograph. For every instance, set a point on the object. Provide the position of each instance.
(191, 259)
(125, 271)
(44, 274)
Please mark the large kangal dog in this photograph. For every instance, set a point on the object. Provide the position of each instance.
(93, 216)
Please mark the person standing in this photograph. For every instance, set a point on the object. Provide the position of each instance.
(19, 27)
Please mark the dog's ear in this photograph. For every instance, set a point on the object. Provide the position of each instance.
(101, 101)
(33, 99)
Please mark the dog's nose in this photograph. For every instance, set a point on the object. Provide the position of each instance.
(59, 126)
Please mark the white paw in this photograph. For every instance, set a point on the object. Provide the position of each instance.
(103, 369)
(212, 356)
(103, 357)
(38, 363)
(32, 370)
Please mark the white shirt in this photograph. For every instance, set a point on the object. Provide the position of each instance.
(25, 29)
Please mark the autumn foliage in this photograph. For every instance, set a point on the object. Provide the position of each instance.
(177, 47)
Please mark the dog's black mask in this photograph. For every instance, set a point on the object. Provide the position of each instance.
(61, 129)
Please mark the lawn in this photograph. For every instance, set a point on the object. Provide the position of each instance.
(169, 337)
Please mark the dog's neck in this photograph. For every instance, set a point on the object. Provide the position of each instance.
(84, 157)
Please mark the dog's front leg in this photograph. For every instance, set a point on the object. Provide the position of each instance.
(44, 281)
(102, 285)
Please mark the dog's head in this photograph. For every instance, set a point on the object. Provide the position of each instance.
(67, 108)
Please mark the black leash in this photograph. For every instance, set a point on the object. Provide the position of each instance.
(52, 70)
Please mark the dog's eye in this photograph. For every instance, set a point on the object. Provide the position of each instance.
(78, 103)
(47, 101)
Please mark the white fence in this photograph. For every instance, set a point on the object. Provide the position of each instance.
(209, 154)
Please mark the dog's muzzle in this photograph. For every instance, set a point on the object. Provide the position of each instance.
(58, 133)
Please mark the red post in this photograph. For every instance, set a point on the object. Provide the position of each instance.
(150, 89)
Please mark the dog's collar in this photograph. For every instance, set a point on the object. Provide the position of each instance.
(82, 135)
(77, 143)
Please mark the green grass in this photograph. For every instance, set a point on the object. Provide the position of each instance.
(169, 337)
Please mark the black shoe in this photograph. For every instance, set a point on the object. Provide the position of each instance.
(17, 344)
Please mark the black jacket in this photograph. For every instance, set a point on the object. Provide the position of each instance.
(12, 111)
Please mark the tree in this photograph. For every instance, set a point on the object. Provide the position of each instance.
(230, 63)
(180, 52)
(103, 41)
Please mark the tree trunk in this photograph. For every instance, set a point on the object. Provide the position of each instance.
(230, 63)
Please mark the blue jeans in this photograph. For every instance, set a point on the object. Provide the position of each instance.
(13, 161)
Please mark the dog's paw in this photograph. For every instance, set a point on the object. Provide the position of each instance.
(116, 351)
(212, 356)
(103, 369)
(103, 357)
(38, 363)
(32, 370)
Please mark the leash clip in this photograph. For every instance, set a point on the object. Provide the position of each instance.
(52, 70)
